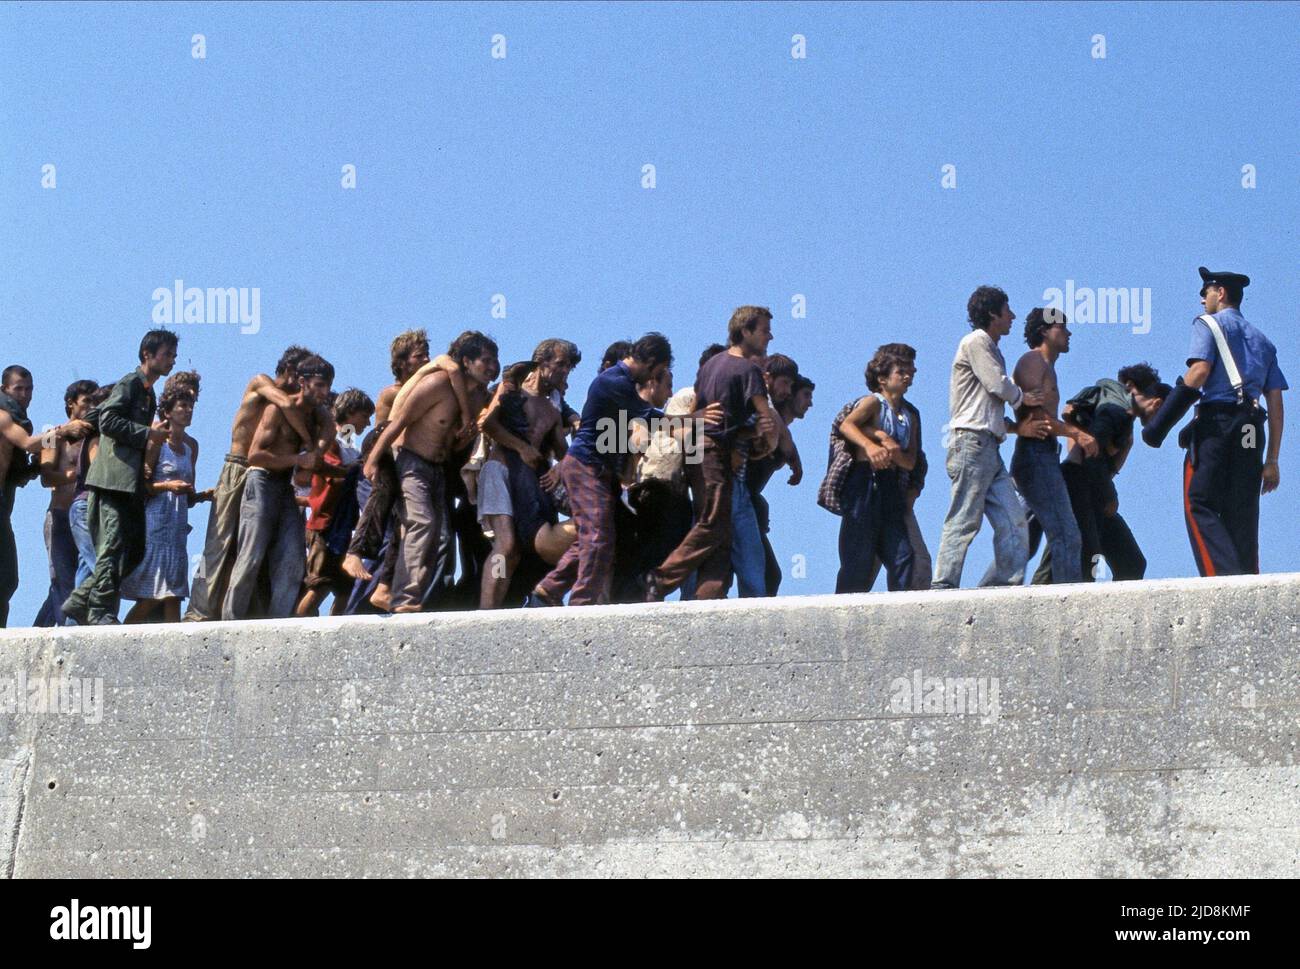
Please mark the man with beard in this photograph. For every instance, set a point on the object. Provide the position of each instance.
(426, 422)
(212, 577)
(527, 431)
(1036, 464)
(271, 527)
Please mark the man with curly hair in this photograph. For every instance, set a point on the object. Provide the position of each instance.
(1106, 410)
(59, 464)
(1035, 464)
(978, 393)
(270, 524)
(212, 577)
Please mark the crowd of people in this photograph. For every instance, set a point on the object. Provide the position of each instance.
(480, 487)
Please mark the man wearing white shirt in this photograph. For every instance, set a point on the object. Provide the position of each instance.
(979, 393)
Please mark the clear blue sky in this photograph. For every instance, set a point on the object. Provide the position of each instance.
(522, 176)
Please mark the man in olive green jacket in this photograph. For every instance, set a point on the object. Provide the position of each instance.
(115, 509)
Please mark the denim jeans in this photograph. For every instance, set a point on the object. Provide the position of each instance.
(271, 530)
(981, 487)
(1104, 536)
(62, 550)
(80, 525)
(922, 565)
(1036, 469)
(748, 559)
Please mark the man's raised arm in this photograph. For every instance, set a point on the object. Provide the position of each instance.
(260, 454)
(407, 409)
(265, 387)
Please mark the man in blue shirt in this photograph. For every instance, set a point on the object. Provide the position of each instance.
(590, 474)
(1225, 470)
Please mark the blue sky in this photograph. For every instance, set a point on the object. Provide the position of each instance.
(522, 176)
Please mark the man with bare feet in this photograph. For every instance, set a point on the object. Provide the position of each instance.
(527, 431)
(424, 424)
(409, 360)
(1036, 463)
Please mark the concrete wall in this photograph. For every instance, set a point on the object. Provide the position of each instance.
(1145, 729)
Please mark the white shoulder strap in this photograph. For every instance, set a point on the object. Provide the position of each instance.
(1225, 354)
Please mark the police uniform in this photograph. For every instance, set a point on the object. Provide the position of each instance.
(1225, 441)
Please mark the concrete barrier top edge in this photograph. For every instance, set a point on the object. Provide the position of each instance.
(781, 604)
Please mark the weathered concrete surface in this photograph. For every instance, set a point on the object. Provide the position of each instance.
(1144, 729)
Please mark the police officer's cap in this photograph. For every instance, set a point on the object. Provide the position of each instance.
(1222, 279)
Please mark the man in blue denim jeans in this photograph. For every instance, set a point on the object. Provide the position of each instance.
(978, 393)
(748, 548)
(1036, 464)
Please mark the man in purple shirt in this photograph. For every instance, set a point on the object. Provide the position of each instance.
(733, 380)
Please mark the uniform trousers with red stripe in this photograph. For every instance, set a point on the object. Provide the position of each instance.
(1221, 482)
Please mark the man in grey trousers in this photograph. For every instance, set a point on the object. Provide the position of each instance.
(271, 526)
(979, 392)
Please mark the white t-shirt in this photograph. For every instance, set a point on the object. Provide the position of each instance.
(664, 457)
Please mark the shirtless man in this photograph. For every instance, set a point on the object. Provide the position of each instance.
(522, 461)
(409, 361)
(211, 578)
(16, 441)
(408, 353)
(59, 464)
(271, 527)
(425, 421)
(1036, 464)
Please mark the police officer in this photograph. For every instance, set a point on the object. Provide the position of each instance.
(1229, 367)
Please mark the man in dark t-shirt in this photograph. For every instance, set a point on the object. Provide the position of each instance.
(735, 381)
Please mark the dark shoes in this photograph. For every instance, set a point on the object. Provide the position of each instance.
(76, 611)
(535, 600)
(79, 613)
(651, 591)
